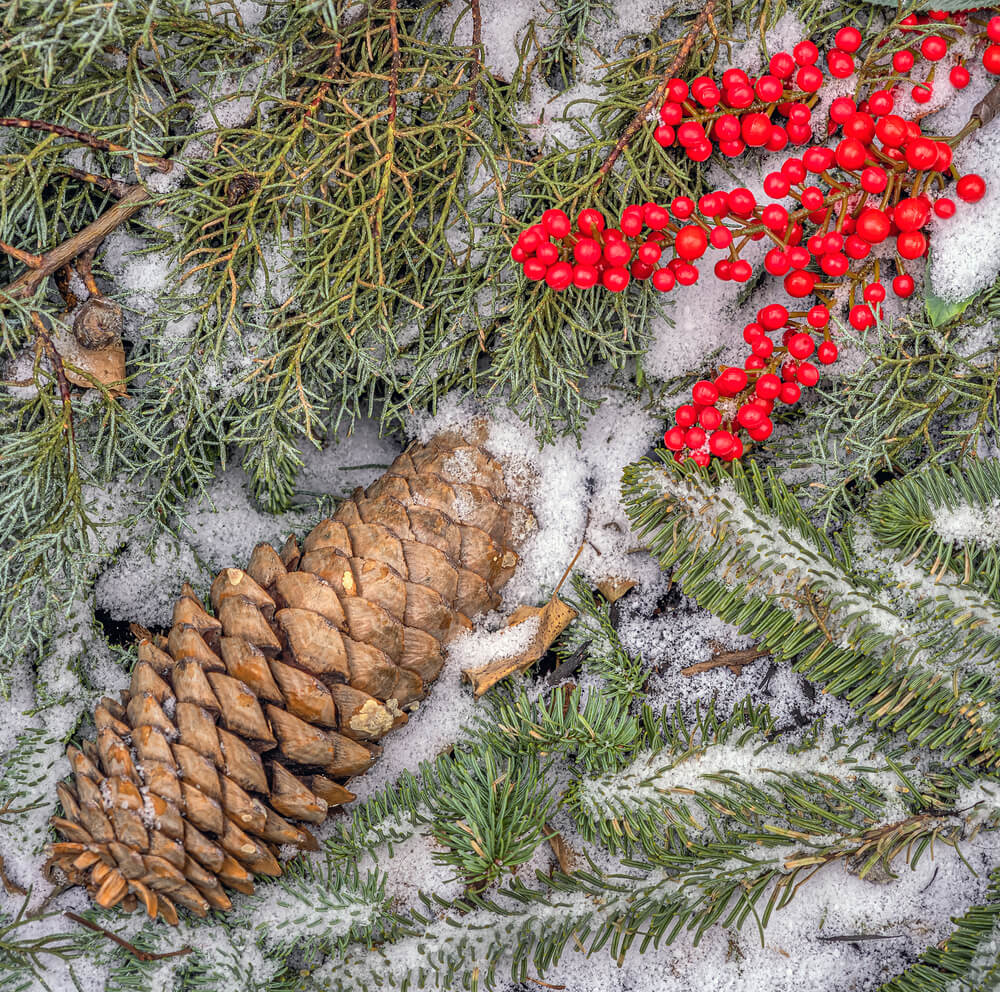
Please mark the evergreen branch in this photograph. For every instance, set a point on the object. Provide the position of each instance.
(744, 548)
(946, 519)
(121, 942)
(965, 959)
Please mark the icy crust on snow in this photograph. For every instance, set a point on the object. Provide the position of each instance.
(967, 523)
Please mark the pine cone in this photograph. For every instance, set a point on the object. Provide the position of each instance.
(240, 727)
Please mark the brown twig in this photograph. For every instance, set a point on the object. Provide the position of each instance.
(114, 186)
(64, 393)
(394, 74)
(121, 942)
(100, 144)
(659, 93)
(735, 661)
(131, 203)
(477, 41)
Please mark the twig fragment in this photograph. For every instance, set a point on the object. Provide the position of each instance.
(121, 942)
(735, 661)
(659, 93)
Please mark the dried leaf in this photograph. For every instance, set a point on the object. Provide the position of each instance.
(565, 854)
(554, 617)
(106, 365)
(612, 588)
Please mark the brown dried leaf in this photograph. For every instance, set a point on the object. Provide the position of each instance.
(565, 854)
(554, 617)
(106, 365)
(612, 588)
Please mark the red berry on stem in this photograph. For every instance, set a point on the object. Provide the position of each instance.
(710, 418)
(921, 154)
(615, 279)
(682, 207)
(922, 93)
(559, 275)
(971, 188)
(807, 374)
(944, 207)
(827, 352)
(840, 64)
(911, 244)
(518, 253)
(768, 386)
(695, 438)
(805, 52)
(617, 253)
(781, 65)
(547, 253)
(585, 276)
(903, 61)
(674, 438)
(704, 393)
(587, 251)
(993, 28)
(934, 48)
(848, 39)
(534, 269)
(721, 443)
(903, 285)
(790, 393)
(800, 346)
(818, 316)
(959, 77)
(590, 222)
(841, 109)
(663, 280)
(556, 223)
(880, 103)
(991, 59)
(677, 90)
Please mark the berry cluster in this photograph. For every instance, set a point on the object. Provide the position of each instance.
(851, 207)
(739, 400)
(742, 113)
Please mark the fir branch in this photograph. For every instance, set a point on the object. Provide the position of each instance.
(743, 547)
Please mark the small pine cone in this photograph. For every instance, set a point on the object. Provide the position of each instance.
(243, 725)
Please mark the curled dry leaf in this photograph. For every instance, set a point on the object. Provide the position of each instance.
(84, 366)
(612, 588)
(554, 617)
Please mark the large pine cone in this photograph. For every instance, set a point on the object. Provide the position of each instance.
(239, 723)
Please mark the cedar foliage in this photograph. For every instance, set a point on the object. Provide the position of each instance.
(333, 236)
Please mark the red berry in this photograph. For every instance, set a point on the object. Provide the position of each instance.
(827, 353)
(848, 39)
(812, 198)
(763, 347)
(750, 416)
(585, 276)
(721, 443)
(587, 251)
(672, 113)
(800, 346)
(861, 317)
(559, 275)
(677, 90)
(741, 270)
(818, 316)
(727, 127)
(547, 253)
(556, 223)
(818, 159)
(911, 244)
(921, 154)
(857, 248)
(690, 242)
(790, 393)
(695, 438)
(773, 316)
(617, 253)
(873, 293)
(959, 77)
(686, 415)
(993, 28)
(911, 213)
(944, 156)
(731, 381)
(774, 217)
(710, 418)
(800, 284)
(655, 216)
(631, 222)
(674, 438)
(805, 52)
(640, 270)
(763, 431)
(971, 188)
(903, 285)
(615, 279)
(782, 65)
(721, 237)
(755, 129)
(944, 207)
(682, 207)
(922, 93)
(687, 275)
(903, 61)
(934, 48)
(807, 374)
(776, 262)
(891, 130)
(518, 253)
(809, 79)
(590, 222)
(704, 393)
(649, 253)
(690, 133)
(880, 103)
(663, 280)
(534, 269)
(723, 270)
(841, 109)
(840, 64)
(767, 386)
(873, 226)
(851, 154)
